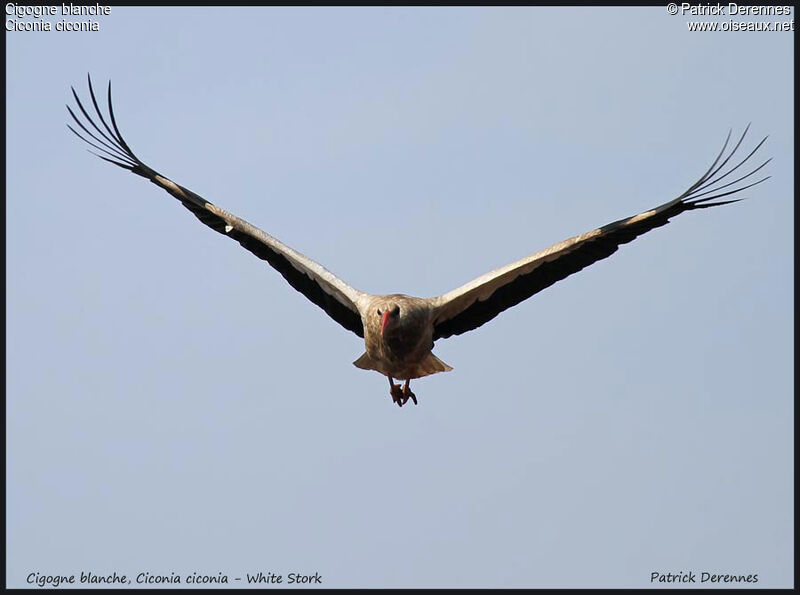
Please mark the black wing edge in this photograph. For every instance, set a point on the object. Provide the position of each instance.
(112, 147)
(704, 193)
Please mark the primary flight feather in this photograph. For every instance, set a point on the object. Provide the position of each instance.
(399, 330)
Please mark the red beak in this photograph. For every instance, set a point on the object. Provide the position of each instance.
(385, 321)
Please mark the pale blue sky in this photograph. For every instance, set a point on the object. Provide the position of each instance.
(173, 405)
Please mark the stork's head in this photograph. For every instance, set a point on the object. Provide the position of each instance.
(389, 315)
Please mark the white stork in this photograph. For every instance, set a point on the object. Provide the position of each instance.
(399, 330)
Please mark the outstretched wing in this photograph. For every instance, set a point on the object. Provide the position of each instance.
(318, 284)
(480, 300)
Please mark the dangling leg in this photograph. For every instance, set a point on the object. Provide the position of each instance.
(407, 392)
(397, 393)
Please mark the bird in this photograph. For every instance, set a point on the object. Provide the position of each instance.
(399, 330)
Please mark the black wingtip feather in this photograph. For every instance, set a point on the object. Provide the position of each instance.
(105, 138)
(697, 195)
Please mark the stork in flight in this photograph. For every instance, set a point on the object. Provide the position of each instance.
(399, 330)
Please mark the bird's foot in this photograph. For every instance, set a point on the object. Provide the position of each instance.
(407, 394)
(401, 395)
(397, 395)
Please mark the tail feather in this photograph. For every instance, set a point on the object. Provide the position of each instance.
(430, 364)
(365, 362)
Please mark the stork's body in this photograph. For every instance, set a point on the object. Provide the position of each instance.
(398, 330)
(398, 335)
